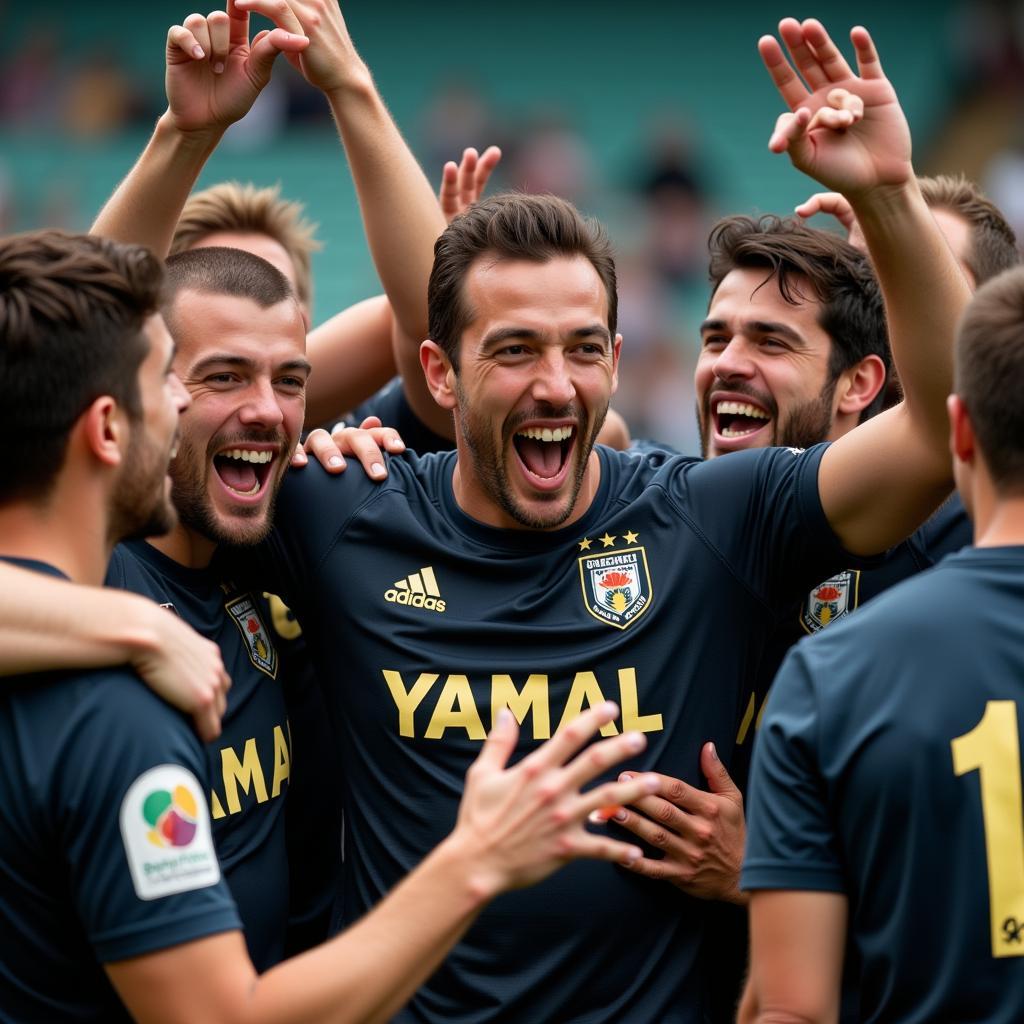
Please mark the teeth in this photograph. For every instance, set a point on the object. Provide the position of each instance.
(732, 432)
(740, 409)
(248, 456)
(546, 433)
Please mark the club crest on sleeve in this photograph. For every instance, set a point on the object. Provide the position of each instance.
(257, 639)
(830, 600)
(616, 586)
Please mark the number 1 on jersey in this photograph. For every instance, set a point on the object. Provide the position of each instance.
(993, 748)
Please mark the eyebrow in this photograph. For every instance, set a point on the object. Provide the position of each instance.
(500, 334)
(758, 327)
(241, 362)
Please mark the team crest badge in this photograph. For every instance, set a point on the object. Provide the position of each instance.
(616, 587)
(257, 640)
(830, 600)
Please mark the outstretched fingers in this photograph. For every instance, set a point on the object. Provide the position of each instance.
(569, 740)
(791, 88)
(800, 52)
(868, 62)
(832, 63)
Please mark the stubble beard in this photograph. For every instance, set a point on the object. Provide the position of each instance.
(489, 464)
(140, 506)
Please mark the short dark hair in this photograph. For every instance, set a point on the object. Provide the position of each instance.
(993, 243)
(510, 226)
(218, 270)
(989, 375)
(852, 313)
(72, 313)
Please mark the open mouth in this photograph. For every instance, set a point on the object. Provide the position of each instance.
(244, 471)
(544, 452)
(739, 419)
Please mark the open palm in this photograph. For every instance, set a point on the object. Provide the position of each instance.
(845, 130)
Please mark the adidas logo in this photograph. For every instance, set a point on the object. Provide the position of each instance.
(418, 590)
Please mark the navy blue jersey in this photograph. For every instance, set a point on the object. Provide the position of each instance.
(888, 768)
(948, 530)
(424, 623)
(105, 845)
(394, 410)
(250, 763)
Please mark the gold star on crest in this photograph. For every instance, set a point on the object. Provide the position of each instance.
(630, 537)
(585, 544)
(606, 540)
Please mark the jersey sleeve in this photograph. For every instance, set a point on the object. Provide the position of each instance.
(761, 511)
(130, 803)
(791, 842)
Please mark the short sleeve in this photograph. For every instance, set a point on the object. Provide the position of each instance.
(762, 511)
(131, 813)
(791, 841)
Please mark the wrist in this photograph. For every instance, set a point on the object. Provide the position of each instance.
(354, 83)
(199, 141)
(883, 203)
(463, 860)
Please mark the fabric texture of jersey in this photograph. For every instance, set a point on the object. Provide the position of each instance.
(72, 744)
(250, 762)
(888, 769)
(424, 623)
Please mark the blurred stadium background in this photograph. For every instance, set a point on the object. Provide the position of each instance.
(653, 116)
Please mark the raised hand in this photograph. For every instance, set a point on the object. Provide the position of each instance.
(526, 821)
(831, 203)
(464, 183)
(331, 61)
(365, 442)
(845, 130)
(214, 74)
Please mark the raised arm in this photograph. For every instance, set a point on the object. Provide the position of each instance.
(48, 623)
(515, 826)
(202, 103)
(847, 131)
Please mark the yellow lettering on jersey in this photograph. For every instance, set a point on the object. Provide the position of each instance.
(629, 704)
(247, 772)
(216, 811)
(533, 697)
(285, 624)
(408, 701)
(282, 760)
(585, 688)
(456, 709)
(748, 717)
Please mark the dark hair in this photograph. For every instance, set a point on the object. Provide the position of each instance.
(851, 314)
(993, 243)
(510, 226)
(989, 375)
(72, 311)
(218, 270)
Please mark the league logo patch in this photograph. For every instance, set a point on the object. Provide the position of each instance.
(830, 600)
(616, 587)
(257, 640)
(165, 827)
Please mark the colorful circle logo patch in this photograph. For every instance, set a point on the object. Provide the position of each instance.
(171, 816)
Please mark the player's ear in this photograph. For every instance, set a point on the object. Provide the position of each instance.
(440, 374)
(859, 385)
(961, 430)
(104, 430)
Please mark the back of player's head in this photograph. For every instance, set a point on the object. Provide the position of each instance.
(510, 226)
(852, 313)
(993, 247)
(217, 270)
(72, 312)
(231, 206)
(989, 376)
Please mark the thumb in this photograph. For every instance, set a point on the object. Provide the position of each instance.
(266, 47)
(719, 779)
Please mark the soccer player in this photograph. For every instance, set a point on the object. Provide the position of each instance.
(105, 834)
(530, 569)
(886, 789)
